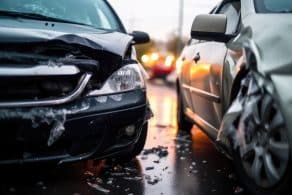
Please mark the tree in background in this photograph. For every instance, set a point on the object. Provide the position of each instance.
(175, 44)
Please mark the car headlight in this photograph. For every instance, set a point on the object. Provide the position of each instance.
(127, 78)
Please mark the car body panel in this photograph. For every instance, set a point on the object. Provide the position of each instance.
(205, 81)
(282, 84)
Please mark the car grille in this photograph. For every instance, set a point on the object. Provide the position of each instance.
(20, 88)
(36, 88)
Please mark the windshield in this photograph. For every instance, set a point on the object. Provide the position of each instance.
(273, 6)
(95, 13)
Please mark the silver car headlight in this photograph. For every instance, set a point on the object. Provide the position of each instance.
(127, 78)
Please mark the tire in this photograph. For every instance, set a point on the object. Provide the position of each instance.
(182, 123)
(262, 153)
(137, 148)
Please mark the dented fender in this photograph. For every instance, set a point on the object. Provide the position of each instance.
(282, 84)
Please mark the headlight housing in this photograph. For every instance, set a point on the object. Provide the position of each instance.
(127, 78)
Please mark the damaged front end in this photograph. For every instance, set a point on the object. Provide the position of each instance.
(58, 100)
(256, 128)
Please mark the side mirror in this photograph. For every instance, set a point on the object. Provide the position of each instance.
(210, 27)
(140, 37)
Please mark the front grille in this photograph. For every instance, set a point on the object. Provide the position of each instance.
(27, 88)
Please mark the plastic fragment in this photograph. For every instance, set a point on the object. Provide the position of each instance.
(160, 151)
(98, 188)
(110, 181)
(165, 168)
(182, 158)
(149, 168)
(153, 182)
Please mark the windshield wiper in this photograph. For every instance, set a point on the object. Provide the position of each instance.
(37, 17)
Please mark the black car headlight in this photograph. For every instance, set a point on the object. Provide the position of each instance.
(127, 78)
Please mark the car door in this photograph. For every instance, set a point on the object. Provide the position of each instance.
(183, 66)
(206, 71)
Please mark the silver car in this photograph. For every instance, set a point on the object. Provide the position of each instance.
(235, 82)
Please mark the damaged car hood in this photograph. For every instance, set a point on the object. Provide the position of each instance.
(271, 34)
(24, 31)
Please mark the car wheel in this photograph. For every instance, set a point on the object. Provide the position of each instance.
(182, 122)
(261, 146)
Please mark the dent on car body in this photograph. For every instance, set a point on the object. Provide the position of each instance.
(271, 46)
(103, 40)
(235, 122)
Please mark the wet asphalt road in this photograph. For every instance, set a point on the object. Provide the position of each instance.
(173, 163)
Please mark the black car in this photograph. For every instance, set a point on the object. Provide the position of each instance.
(70, 85)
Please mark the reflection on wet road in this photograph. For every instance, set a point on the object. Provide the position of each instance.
(172, 163)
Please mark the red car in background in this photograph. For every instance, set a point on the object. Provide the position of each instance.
(159, 65)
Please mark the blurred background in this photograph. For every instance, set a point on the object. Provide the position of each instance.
(168, 23)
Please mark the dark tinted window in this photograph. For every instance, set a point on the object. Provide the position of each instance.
(273, 6)
(90, 12)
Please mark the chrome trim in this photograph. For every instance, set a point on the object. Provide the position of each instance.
(203, 93)
(41, 70)
(50, 102)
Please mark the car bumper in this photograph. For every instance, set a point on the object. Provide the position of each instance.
(94, 128)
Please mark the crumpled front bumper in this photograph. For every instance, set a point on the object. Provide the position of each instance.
(93, 127)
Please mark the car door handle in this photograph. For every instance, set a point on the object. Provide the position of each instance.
(197, 57)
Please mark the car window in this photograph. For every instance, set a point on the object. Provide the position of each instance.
(272, 6)
(232, 12)
(95, 13)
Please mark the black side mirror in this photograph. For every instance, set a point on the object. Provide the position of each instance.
(210, 27)
(140, 37)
